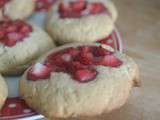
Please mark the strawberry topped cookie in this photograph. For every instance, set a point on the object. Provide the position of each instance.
(78, 80)
(16, 9)
(3, 91)
(20, 44)
(81, 20)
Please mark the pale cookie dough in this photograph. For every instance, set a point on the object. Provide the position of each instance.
(60, 96)
(14, 59)
(3, 91)
(17, 9)
(84, 29)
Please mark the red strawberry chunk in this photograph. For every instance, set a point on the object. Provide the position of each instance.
(73, 66)
(99, 51)
(78, 6)
(11, 28)
(84, 49)
(63, 8)
(39, 71)
(15, 36)
(3, 2)
(77, 65)
(72, 51)
(9, 42)
(57, 60)
(2, 33)
(104, 40)
(25, 29)
(12, 32)
(54, 68)
(85, 75)
(107, 41)
(86, 58)
(67, 57)
(110, 60)
(44, 5)
(97, 8)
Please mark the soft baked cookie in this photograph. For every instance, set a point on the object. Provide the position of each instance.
(16, 9)
(79, 80)
(81, 20)
(20, 44)
(3, 91)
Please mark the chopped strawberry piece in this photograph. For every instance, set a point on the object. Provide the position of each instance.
(73, 66)
(72, 51)
(9, 42)
(39, 71)
(18, 23)
(84, 49)
(77, 65)
(85, 75)
(67, 57)
(3, 2)
(63, 8)
(78, 6)
(44, 5)
(25, 29)
(12, 32)
(86, 58)
(107, 41)
(99, 51)
(104, 40)
(97, 8)
(57, 60)
(15, 36)
(11, 28)
(2, 33)
(110, 60)
(54, 68)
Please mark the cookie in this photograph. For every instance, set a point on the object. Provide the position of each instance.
(79, 80)
(81, 20)
(3, 91)
(20, 44)
(16, 9)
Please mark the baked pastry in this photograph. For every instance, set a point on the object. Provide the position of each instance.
(43, 5)
(20, 44)
(79, 80)
(81, 20)
(16, 9)
(3, 91)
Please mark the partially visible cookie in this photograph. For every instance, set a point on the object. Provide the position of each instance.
(81, 20)
(16, 9)
(20, 44)
(3, 91)
(79, 80)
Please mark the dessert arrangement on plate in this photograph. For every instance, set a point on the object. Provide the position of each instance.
(62, 59)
